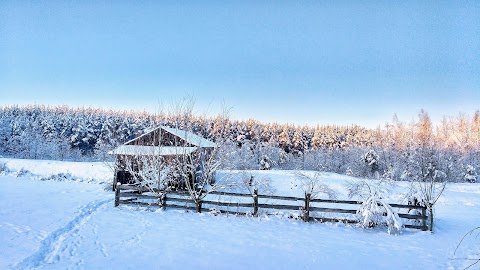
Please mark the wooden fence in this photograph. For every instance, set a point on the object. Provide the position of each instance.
(250, 204)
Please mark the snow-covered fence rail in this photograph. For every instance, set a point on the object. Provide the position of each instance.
(420, 218)
(320, 210)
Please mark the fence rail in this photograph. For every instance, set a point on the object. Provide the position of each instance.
(309, 208)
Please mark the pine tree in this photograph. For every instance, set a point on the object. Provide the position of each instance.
(284, 139)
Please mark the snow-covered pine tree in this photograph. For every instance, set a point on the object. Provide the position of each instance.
(471, 174)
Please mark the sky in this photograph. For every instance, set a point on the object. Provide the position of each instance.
(301, 62)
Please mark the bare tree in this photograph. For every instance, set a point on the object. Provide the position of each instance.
(197, 173)
(197, 169)
(152, 172)
(250, 183)
(430, 187)
(428, 181)
(313, 185)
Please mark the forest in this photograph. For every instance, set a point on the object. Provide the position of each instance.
(448, 150)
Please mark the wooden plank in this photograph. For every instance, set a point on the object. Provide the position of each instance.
(221, 193)
(178, 196)
(335, 201)
(279, 206)
(328, 219)
(138, 196)
(140, 203)
(180, 206)
(420, 227)
(142, 189)
(172, 199)
(127, 187)
(360, 202)
(333, 210)
(231, 204)
(407, 206)
(129, 200)
(280, 198)
(176, 192)
(407, 216)
(232, 212)
(130, 192)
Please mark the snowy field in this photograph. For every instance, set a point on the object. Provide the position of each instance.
(67, 221)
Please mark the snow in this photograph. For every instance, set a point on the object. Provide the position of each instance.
(188, 136)
(96, 171)
(73, 225)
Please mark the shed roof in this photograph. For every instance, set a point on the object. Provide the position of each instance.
(187, 136)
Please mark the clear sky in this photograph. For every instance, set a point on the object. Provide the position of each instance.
(304, 62)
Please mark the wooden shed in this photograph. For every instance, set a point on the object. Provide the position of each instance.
(163, 143)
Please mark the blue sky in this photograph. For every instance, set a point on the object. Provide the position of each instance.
(304, 62)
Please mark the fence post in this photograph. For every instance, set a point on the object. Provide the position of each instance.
(255, 202)
(117, 194)
(307, 207)
(430, 208)
(424, 219)
(198, 206)
(163, 200)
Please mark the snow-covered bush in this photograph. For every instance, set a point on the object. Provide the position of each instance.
(471, 174)
(3, 168)
(371, 159)
(430, 187)
(372, 213)
(414, 200)
(265, 163)
(60, 177)
(389, 174)
(22, 172)
(374, 206)
(214, 211)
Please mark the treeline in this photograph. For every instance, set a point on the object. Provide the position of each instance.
(397, 150)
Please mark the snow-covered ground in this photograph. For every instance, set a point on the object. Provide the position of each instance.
(72, 224)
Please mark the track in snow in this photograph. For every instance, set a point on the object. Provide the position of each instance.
(50, 246)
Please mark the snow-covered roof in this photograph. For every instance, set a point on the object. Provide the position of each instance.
(142, 150)
(189, 137)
